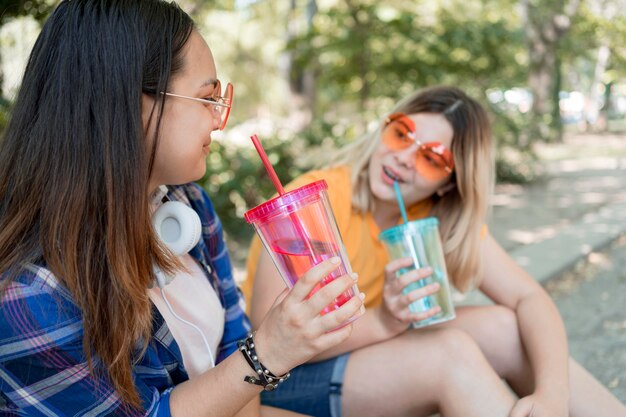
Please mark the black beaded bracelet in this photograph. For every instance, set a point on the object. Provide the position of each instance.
(263, 376)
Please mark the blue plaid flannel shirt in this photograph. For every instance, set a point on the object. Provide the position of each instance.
(43, 371)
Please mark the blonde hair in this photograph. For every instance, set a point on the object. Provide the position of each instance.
(462, 211)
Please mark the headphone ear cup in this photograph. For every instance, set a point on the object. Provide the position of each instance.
(178, 226)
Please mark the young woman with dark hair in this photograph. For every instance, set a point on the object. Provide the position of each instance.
(119, 99)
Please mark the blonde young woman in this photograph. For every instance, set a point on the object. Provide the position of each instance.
(437, 145)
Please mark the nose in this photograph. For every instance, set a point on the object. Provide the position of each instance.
(406, 157)
(216, 118)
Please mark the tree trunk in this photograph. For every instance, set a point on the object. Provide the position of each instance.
(540, 80)
(556, 125)
(309, 77)
(361, 30)
(592, 113)
(302, 82)
(543, 33)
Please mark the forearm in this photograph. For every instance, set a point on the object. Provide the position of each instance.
(220, 391)
(252, 409)
(545, 341)
(369, 329)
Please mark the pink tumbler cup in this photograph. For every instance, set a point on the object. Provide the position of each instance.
(299, 230)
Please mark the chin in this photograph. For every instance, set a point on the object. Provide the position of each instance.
(202, 169)
(191, 178)
(381, 191)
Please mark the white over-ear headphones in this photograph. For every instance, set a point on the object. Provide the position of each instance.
(179, 227)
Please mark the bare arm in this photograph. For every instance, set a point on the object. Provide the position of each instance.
(203, 394)
(540, 324)
(291, 334)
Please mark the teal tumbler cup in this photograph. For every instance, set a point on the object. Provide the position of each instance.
(420, 241)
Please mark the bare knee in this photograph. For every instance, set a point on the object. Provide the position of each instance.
(501, 330)
(444, 346)
(503, 320)
(496, 330)
(456, 346)
(458, 358)
(500, 333)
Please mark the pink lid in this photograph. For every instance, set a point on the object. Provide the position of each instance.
(276, 204)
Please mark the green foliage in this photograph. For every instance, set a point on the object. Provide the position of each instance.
(363, 56)
(5, 108)
(373, 51)
(515, 160)
(591, 29)
(39, 9)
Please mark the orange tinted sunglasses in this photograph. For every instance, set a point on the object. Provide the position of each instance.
(432, 160)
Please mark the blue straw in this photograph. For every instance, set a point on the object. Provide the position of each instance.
(396, 187)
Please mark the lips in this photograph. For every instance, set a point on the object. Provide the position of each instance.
(392, 175)
(205, 146)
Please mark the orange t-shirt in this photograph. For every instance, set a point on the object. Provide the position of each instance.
(359, 231)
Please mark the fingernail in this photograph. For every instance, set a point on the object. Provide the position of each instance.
(354, 276)
(335, 260)
(362, 296)
(429, 269)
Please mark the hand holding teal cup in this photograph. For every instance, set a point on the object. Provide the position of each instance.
(420, 241)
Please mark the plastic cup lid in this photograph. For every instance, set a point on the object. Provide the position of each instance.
(276, 204)
(415, 226)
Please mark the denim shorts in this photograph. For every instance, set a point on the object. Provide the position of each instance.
(312, 388)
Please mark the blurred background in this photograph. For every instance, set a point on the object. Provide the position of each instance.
(312, 75)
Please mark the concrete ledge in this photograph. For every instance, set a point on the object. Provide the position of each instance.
(547, 259)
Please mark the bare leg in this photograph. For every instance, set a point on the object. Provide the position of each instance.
(495, 330)
(590, 398)
(421, 372)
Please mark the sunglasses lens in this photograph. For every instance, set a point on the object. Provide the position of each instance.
(397, 133)
(434, 161)
(226, 99)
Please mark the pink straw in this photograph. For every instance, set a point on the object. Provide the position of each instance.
(279, 187)
(268, 166)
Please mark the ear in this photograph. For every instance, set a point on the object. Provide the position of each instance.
(445, 188)
(148, 111)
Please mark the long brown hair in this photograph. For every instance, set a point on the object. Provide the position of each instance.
(462, 211)
(75, 164)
